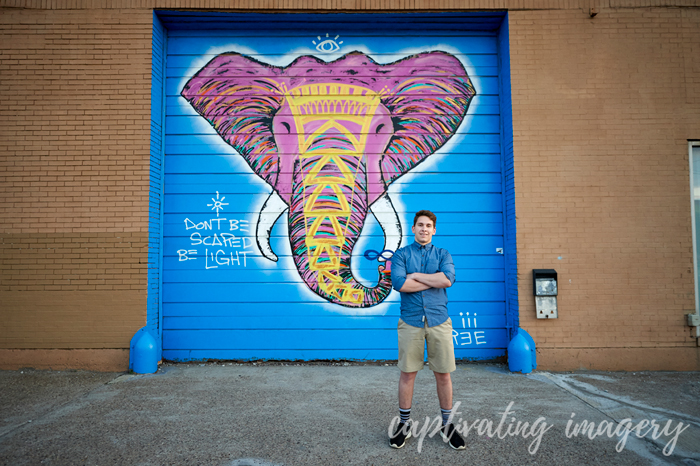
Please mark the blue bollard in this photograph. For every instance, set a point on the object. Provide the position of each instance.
(519, 355)
(531, 341)
(144, 353)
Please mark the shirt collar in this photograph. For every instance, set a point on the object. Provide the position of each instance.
(418, 246)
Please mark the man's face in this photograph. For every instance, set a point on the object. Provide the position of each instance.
(423, 230)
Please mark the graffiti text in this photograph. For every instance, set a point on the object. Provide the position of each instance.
(468, 337)
(221, 248)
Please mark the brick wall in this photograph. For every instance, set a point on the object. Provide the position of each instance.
(74, 152)
(602, 109)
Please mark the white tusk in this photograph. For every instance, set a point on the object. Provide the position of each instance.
(387, 217)
(273, 208)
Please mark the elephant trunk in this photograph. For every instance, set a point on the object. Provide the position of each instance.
(327, 211)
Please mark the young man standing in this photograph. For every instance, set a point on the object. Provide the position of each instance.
(422, 272)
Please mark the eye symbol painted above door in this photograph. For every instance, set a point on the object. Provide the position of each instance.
(327, 45)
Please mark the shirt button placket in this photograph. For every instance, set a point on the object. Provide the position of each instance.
(422, 269)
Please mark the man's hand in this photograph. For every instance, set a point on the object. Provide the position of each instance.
(431, 280)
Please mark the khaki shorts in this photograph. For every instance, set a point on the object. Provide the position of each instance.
(441, 351)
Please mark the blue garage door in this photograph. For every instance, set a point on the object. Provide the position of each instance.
(296, 154)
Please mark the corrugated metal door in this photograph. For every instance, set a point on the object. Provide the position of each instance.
(297, 153)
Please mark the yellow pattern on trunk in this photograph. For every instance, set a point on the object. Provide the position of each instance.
(330, 104)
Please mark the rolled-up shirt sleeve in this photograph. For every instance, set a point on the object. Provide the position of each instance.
(398, 270)
(447, 267)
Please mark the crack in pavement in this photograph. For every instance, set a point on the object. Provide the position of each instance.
(619, 408)
(11, 430)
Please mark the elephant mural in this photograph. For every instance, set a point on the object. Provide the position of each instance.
(330, 137)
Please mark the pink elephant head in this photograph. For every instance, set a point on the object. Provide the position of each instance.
(330, 138)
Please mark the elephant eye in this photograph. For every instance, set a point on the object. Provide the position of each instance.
(379, 128)
(286, 125)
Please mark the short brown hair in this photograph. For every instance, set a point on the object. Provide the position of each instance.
(425, 213)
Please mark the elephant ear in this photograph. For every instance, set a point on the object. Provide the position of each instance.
(239, 96)
(428, 100)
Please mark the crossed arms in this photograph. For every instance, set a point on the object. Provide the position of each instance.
(414, 282)
(423, 281)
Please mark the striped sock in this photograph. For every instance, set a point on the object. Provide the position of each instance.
(405, 414)
(445, 415)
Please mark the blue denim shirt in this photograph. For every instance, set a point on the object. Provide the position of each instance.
(430, 303)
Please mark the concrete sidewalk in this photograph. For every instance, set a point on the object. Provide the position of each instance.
(338, 413)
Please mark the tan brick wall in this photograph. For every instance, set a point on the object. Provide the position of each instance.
(71, 319)
(602, 111)
(74, 158)
(71, 262)
(346, 5)
(104, 360)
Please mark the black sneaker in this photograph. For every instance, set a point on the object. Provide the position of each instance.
(401, 434)
(450, 435)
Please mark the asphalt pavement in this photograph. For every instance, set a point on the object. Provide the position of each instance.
(339, 413)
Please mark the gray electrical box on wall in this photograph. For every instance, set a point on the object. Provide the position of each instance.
(544, 287)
